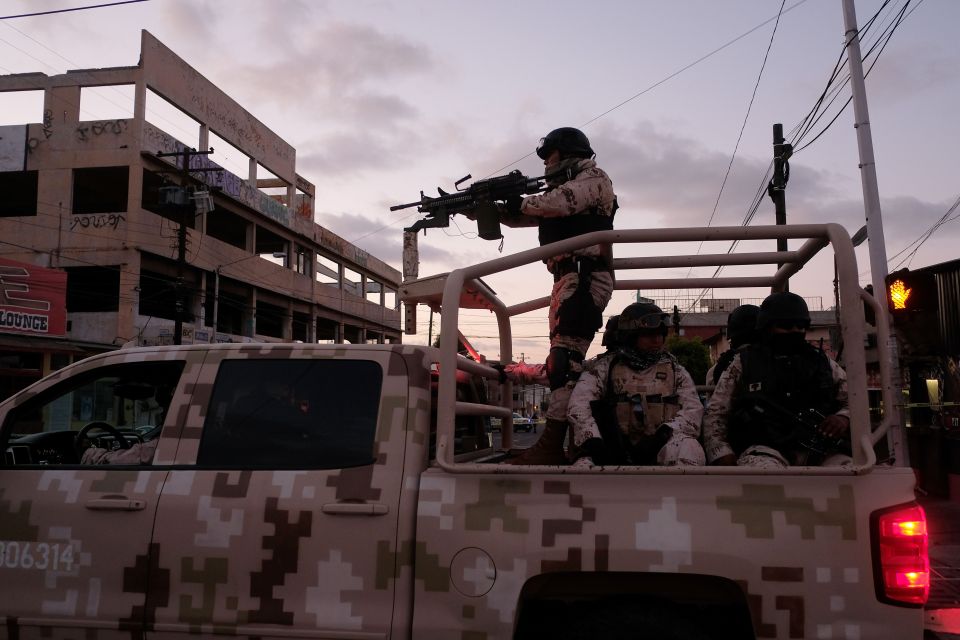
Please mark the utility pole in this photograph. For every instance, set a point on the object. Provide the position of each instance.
(778, 184)
(871, 204)
(179, 199)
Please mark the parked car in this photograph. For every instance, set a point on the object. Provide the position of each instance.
(519, 423)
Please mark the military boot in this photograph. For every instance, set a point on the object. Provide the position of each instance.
(548, 449)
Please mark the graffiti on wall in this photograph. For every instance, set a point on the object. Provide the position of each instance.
(46, 130)
(97, 221)
(87, 130)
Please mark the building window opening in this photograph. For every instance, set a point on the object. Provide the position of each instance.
(271, 247)
(351, 282)
(100, 190)
(227, 227)
(270, 319)
(160, 297)
(19, 189)
(372, 290)
(105, 107)
(328, 271)
(93, 289)
(302, 260)
(301, 324)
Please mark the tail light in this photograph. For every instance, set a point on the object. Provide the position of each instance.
(901, 566)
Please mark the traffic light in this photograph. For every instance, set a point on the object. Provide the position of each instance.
(913, 302)
(910, 292)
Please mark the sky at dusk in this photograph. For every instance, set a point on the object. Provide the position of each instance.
(382, 98)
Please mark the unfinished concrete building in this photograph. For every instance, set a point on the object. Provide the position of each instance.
(104, 201)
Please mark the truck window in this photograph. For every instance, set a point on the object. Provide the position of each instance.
(292, 414)
(132, 397)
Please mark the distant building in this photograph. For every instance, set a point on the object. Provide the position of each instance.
(97, 201)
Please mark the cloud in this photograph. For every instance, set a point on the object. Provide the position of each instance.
(677, 180)
(386, 242)
(915, 70)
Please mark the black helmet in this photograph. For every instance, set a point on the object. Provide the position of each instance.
(641, 317)
(570, 142)
(781, 308)
(610, 332)
(742, 325)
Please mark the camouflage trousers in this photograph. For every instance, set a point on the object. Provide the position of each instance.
(761, 457)
(601, 288)
(681, 449)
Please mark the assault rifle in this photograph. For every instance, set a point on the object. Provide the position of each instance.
(798, 428)
(477, 201)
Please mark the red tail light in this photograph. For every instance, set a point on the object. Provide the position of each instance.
(900, 563)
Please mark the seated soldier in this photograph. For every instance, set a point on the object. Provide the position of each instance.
(741, 331)
(781, 401)
(636, 404)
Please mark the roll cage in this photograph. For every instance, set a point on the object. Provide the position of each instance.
(463, 288)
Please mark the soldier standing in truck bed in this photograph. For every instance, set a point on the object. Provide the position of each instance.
(579, 199)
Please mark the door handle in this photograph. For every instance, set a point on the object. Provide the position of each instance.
(117, 503)
(355, 509)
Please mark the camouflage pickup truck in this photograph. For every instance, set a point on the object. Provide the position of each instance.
(350, 491)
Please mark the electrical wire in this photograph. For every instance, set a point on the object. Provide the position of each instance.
(743, 126)
(53, 11)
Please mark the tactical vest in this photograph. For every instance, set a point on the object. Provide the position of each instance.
(556, 229)
(633, 408)
(722, 363)
(796, 382)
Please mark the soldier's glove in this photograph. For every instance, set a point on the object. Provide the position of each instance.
(596, 450)
(834, 426)
(512, 205)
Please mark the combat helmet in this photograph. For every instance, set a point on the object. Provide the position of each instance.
(783, 307)
(640, 317)
(570, 142)
(610, 332)
(742, 325)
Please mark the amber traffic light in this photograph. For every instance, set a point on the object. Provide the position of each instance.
(911, 291)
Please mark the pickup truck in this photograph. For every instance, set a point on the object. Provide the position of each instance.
(349, 491)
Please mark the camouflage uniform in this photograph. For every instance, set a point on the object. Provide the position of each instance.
(716, 422)
(664, 378)
(589, 191)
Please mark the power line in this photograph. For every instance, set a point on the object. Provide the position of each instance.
(628, 100)
(92, 6)
(743, 126)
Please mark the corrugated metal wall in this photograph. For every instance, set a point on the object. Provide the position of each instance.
(948, 291)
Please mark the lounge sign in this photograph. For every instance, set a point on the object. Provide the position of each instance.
(32, 299)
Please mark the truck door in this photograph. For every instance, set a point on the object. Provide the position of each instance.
(75, 538)
(281, 516)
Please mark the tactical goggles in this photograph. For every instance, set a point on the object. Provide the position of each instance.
(649, 321)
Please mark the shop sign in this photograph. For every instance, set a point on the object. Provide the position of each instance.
(32, 299)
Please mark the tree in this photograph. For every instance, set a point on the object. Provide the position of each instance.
(692, 354)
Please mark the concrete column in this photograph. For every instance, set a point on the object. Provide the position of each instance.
(288, 322)
(129, 286)
(251, 315)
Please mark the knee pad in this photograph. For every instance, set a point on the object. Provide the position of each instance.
(559, 369)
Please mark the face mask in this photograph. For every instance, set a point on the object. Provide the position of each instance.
(561, 165)
(786, 343)
(638, 360)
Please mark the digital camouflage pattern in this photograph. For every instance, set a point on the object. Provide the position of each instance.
(401, 548)
(609, 375)
(715, 419)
